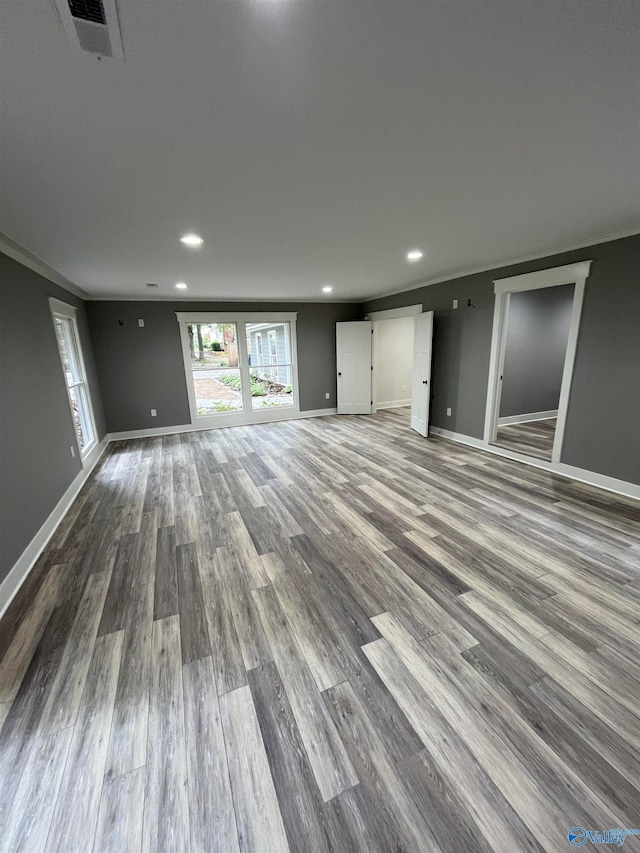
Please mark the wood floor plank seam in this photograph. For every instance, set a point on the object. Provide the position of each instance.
(323, 636)
(258, 818)
(75, 813)
(166, 815)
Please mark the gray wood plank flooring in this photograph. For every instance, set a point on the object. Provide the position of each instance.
(323, 636)
(533, 438)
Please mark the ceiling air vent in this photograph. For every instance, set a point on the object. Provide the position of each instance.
(92, 26)
(88, 10)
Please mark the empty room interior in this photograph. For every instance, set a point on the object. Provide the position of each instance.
(319, 426)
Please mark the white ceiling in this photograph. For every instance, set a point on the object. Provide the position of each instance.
(316, 141)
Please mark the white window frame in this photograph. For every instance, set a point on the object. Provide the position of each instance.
(248, 415)
(64, 311)
(576, 274)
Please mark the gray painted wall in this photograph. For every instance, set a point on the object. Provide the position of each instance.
(142, 368)
(36, 428)
(537, 335)
(604, 405)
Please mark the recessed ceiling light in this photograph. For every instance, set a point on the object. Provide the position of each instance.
(327, 288)
(181, 285)
(414, 255)
(192, 240)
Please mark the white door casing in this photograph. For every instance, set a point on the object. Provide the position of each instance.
(421, 382)
(575, 274)
(354, 363)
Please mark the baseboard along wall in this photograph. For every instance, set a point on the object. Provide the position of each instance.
(609, 484)
(530, 416)
(172, 430)
(394, 404)
(20, 570)
(25, 562)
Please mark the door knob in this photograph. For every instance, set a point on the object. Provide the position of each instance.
(339, 374)
(425, 381)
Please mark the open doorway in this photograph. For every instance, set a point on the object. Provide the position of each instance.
(535, 332)
(392, 362)
(384, 363)
(401, 363)
(536, 345)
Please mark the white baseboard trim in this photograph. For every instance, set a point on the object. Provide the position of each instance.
(20, 570)
(460, 437)
(532, 416)
(609, 484)
(173, 430)
(394, 404)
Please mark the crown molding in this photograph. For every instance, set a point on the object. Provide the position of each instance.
(14, 250)
(28, 259)
(536, 256)
(254, 300)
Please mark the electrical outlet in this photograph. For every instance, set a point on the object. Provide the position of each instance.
(455, 303)
(141, 323)
(153, 413)
(73, 452)
(448, 413)
(327, 396)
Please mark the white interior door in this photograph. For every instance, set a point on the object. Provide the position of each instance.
(421, 382)
(353, 351)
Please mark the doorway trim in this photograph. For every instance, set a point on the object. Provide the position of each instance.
(376, 317)
(575, 274)
(394, 313)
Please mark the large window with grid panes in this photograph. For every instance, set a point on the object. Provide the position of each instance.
(240, 368)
